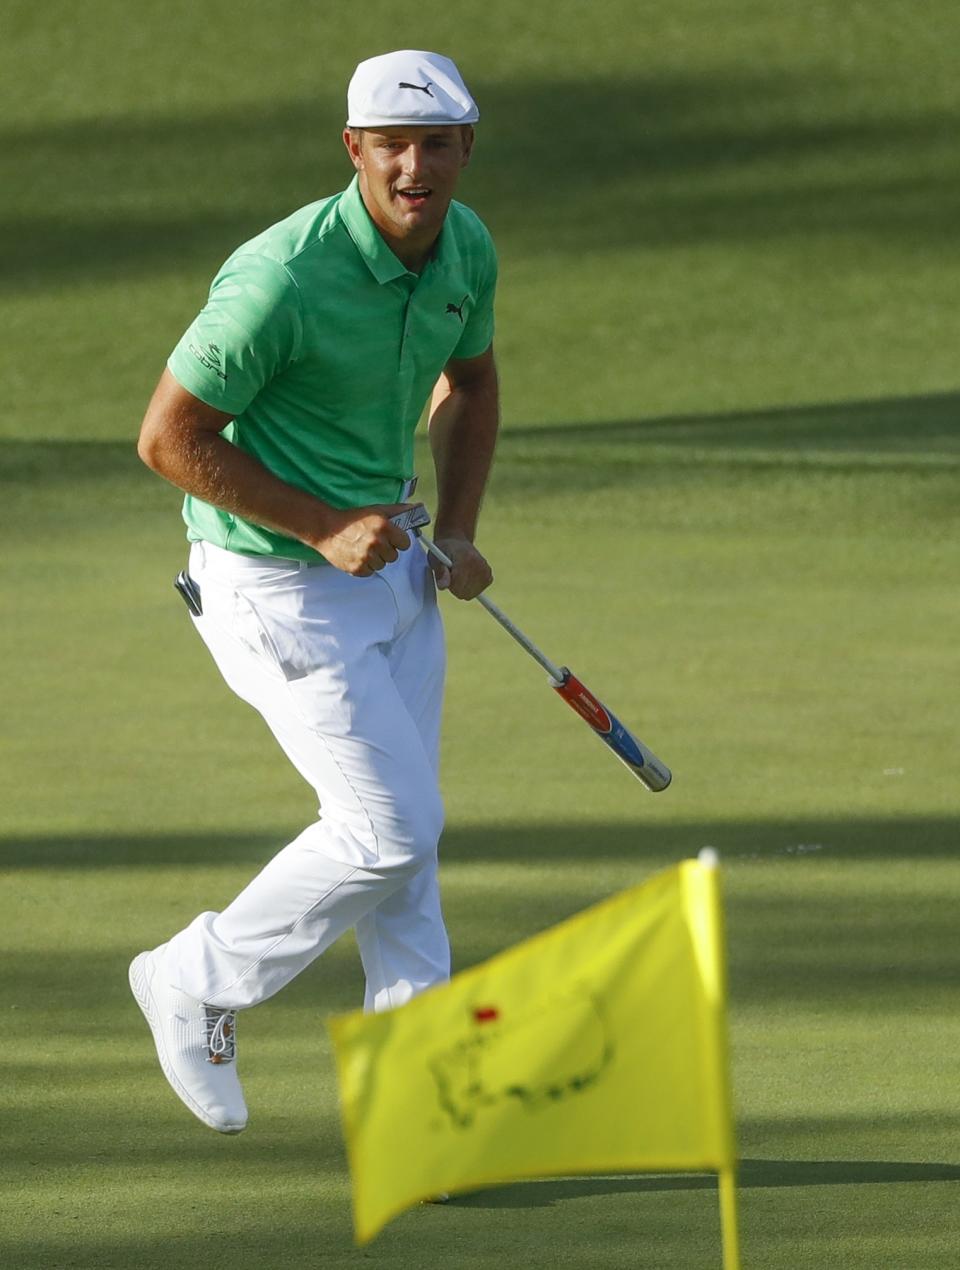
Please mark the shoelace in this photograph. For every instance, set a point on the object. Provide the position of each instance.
(220, 1035)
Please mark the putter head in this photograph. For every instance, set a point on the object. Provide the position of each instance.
(190, 592)
(412, 518)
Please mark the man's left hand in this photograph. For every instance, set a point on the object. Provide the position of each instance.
(470, 573)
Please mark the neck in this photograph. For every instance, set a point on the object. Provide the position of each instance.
(412, 251)
(409, 254)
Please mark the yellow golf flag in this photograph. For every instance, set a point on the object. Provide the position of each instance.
(596, 1046)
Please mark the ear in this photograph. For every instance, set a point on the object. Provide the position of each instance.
(467, 136)
(353, 140)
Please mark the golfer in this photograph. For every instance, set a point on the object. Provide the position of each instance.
(286, 414)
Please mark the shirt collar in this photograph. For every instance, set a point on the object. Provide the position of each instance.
(377, 256)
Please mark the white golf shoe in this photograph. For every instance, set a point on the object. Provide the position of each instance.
(196, 1045)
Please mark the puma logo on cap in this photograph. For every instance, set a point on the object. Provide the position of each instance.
(408, 87)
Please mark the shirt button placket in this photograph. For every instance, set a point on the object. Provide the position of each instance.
(406, 355)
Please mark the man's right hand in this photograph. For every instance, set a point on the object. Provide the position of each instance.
(363, 539)
(181, 439)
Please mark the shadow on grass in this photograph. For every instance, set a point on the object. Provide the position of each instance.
(752, 1173)
(543, 1193)
(905, 433)
(813, 927)
(644, 846)
(693, 158)
(925, 425)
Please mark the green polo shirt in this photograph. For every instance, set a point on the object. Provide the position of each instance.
(325, 349)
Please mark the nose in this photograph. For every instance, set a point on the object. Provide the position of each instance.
(414, 161)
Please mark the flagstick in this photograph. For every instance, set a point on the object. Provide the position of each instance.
(727, 1181)
(728, 1219)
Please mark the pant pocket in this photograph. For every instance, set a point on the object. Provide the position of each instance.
(279, 643)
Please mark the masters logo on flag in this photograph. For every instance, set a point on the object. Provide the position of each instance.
(485, 1067)
(596, 1046)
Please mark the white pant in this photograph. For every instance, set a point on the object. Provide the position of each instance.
(348, 674)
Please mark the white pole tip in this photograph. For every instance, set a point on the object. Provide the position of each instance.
(709, 857)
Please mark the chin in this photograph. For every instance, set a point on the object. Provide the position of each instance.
(432, 210)
(418, 223)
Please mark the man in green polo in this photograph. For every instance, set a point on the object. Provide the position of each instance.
(286, 414)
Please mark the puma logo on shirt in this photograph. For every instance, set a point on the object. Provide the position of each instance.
(458, 308)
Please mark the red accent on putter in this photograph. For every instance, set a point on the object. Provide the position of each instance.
(584, 702)
(485, 1014)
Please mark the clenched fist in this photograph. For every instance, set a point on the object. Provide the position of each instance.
(363, 539)
(470, 574)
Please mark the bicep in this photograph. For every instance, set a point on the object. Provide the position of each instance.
(247, 333)
(469, 373)
(172, 412)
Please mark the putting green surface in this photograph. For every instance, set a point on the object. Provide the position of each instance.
(726, 496)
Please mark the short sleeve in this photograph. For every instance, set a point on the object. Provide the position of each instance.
(246, 334)
(478, 330)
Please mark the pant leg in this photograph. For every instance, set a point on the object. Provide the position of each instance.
(309, 649)
(403, 941)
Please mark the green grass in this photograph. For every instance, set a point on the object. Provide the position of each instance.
(727, 496)
(708, 207)
(773, 619)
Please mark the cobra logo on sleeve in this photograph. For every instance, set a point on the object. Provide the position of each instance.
(209, 357)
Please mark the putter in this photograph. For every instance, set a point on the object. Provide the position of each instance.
(644, 764)
(190, 592)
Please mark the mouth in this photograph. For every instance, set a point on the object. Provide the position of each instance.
(415, 195)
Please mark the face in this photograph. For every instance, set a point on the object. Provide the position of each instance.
(407, 178)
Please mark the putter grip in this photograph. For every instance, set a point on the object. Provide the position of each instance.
(633, 753)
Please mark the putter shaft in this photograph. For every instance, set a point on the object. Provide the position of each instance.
(636, 756)
(554, 671)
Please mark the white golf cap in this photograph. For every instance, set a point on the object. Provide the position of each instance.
(408, 87)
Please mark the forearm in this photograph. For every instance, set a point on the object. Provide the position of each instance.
(210, 467)
(463, 431)
(180, 439)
